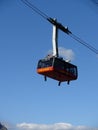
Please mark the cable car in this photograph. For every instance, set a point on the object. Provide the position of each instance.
(58, 69)
(55, 67)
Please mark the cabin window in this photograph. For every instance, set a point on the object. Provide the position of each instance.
(44, 63)
(73, 71)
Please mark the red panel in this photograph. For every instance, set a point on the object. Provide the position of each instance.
(56, 74)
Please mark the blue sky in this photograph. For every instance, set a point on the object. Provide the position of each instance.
(25, 99)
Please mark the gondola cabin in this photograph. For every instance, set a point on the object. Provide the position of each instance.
(55, 67)
(58, 69)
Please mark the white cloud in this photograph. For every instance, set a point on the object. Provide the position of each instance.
(55, 126)
(67, 54)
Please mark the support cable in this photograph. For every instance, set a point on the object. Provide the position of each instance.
(59, 26)
(84, 43)
(34, 8)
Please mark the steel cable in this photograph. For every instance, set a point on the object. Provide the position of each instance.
(60, 26)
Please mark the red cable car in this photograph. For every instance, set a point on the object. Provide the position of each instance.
(58, 69)
(55, 67)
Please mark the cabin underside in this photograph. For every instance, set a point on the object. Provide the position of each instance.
(56, 74)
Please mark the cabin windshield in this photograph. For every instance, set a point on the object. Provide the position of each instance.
(45, 63)
(73, 70)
